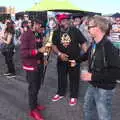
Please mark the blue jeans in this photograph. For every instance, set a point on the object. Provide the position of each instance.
(100, 100)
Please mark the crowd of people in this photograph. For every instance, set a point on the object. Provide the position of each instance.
(73, 41)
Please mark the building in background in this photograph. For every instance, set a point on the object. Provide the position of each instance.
(6, 12)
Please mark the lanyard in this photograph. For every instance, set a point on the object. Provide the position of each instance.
(92, 55)
(93, 49)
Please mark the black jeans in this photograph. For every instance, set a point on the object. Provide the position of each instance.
(74, 77)
(9, 61)
(34, 83)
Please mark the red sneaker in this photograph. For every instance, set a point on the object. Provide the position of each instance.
(57, 97)
(36, 115)
(39, 107)
(73, 101)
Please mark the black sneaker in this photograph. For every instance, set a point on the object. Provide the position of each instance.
(11, 75)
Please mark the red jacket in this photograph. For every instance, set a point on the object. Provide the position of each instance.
(28, 51)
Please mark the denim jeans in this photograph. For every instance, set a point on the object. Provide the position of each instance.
(100, 100)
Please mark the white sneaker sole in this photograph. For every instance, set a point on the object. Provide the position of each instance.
(72, 104)
(6, 74)
(57, 99)
(10, 77)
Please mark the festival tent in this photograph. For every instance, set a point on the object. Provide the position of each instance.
(57, 6)
(54, 5)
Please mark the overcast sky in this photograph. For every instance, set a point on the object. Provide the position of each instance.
(102, 6)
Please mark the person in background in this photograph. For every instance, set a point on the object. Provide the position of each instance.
(115, 34)
(81, 24)
(7, 40)
(115, 31)
(66, 42)
(30, 24)
(18, 29)
(26, 17)
(76, 20)
(32, 62)
(52, 23)
(51, 26)
(1, 25)
(104, 69)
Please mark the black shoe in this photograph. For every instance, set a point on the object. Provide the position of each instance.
(12, 75)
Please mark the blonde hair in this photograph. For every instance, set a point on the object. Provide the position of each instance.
(101, 22)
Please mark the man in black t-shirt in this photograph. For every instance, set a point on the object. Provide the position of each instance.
(66, 43)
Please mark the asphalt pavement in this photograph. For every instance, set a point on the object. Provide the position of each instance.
(13, 96)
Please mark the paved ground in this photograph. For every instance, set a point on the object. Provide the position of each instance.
(13, 97)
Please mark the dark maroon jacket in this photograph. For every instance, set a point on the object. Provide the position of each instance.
(28, 51)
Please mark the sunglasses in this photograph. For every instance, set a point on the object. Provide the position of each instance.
(92, 26)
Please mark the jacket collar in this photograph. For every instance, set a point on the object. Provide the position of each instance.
(104, 39)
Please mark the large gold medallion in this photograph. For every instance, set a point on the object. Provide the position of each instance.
(65, 40)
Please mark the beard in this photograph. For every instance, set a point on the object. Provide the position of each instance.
(64, 28)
